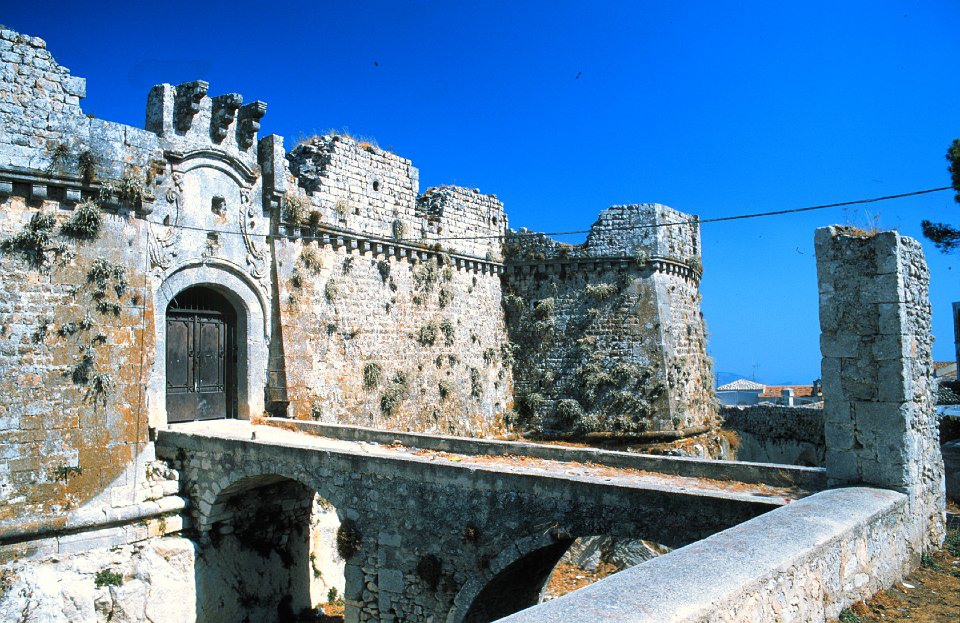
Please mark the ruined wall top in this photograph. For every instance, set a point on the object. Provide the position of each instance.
(642, 231)
(37, 98)
(645, 228)
(48, 145)
(348, 183)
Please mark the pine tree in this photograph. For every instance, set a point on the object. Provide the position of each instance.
(946, 237)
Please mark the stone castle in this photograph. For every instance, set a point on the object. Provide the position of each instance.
(193, 270)
(348, 297)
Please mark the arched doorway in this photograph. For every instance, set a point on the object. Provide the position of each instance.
(201, 357)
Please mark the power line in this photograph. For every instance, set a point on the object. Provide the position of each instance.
(717, 219)
(693, 221)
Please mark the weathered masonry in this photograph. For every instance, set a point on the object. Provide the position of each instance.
(610, 335)
(164, 289)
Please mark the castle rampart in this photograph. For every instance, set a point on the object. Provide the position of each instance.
(610, 334)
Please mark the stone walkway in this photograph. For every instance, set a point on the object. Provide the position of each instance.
(573, 470)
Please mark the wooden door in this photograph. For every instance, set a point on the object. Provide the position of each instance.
(199, 365)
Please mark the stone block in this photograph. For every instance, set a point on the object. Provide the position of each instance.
(353, 581)
(75, 86)
(883, 474)
(889, 253)
(830, 378)
(888, 347)
(390, 580)
(892, 318)
(895, 385)
(840, 345)
(99, 539)
(886, 288)
(169, 487)
(858, 379)
(842, 466)
(838, 434)
(885, 417)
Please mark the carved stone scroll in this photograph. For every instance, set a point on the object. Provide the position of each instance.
(256, 256)
(187, 103)
(161, 248)
(223, 114)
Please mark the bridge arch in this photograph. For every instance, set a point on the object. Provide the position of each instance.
(512, 581)
(252, 331)
(266, 551)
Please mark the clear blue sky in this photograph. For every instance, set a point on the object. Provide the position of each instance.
(564, 108)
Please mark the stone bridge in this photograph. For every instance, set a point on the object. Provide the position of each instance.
(433, 528)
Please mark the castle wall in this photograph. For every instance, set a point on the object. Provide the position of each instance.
(608, 335)
(76, 319)
(192, 200)
(775, 434)
(391, 342)
(71, 419)
(387, 318)
(359, 299)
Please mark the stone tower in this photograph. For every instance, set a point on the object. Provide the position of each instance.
(608, 335)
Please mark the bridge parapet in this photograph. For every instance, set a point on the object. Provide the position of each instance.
(774, 475)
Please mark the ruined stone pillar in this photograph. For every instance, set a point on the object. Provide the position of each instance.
(880, 425)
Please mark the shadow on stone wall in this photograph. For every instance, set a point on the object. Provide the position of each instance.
(518, 586)
(259, 560)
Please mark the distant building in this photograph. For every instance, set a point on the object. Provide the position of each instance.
(743, 393)
(945, 370)
(740, 392)
(792, 395)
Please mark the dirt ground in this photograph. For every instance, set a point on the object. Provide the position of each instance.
(592, 469)
(931, 594)
(568, 577)
(329, 613)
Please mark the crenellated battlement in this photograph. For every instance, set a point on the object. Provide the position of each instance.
(187, 113)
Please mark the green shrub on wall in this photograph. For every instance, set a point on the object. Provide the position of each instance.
(601, 291)
(331, 291)
(394, 394)
(372, 375)
(445, 388)
(476, 388)
(448, 331)
(35, 241)
(85, 222)
(107, 577)
(427, 336)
